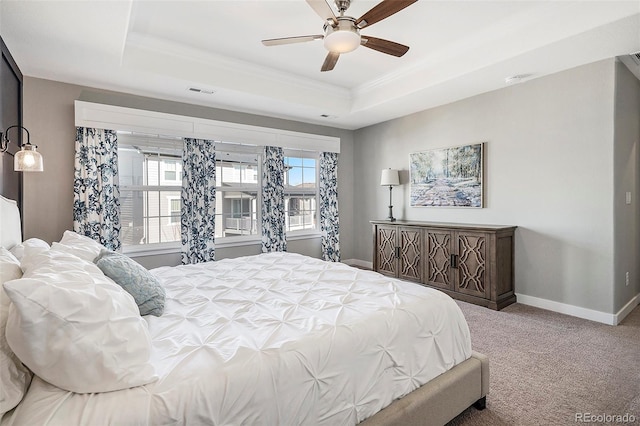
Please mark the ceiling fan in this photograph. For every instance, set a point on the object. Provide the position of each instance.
(342, 33)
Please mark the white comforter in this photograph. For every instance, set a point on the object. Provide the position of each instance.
(274, 339)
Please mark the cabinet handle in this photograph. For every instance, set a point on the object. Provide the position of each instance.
(454, 261)
(397, 252)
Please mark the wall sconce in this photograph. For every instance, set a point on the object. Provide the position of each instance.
(25, 160)
(390, 178)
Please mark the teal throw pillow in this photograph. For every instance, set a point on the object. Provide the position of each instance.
(135, 279)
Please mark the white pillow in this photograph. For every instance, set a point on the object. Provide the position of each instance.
(75, 328)
(18, 249)
(14, 376)
(10, 228)
(31, 262)
(83, 247)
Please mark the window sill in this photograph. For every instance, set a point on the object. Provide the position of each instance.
(174, 248)
(154, 250)
(256, 240)
(304, 235)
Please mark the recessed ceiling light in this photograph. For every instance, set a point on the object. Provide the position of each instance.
(516, 78)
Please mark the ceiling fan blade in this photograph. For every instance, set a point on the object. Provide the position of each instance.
(290, 40)
(384, 46)
(330, 61)
(322, 8)
(382, 10)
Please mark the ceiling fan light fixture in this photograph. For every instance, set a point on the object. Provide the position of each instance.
(342, 39)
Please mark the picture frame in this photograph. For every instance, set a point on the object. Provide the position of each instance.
(448, 177)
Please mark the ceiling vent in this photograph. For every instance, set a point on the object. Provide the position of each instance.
(198, 90)
(636, 57)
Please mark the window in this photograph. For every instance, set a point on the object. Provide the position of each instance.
(145, 219)
(150, 173)
(237, 191)
(301, 191)
(150, 169)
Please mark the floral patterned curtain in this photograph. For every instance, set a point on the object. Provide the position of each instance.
(329, 223)
(198, 219)
(273, 219)
(96, 208)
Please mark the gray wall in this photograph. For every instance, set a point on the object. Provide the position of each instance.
(48, 196)
(626, 179)
(548, 170)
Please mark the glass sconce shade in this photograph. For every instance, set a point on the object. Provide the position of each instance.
(25, 160)
(28, 159)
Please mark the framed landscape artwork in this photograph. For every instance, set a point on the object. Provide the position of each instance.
(447, 177)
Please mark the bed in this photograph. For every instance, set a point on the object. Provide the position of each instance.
(272, 339)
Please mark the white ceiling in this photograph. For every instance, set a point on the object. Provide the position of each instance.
(458, 49)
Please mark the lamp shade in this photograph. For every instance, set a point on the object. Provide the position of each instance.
(390, 177)
(28, 159)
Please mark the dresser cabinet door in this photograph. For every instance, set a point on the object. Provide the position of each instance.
(438, 245)
(471, 264)
(410, 260)
(386, 259)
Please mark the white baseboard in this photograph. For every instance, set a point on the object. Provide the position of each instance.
(626, 309)
(577, 311)
(358, 262)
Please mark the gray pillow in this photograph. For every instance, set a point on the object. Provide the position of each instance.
(135, 279)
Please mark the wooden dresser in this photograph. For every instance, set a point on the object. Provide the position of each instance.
(473, 263)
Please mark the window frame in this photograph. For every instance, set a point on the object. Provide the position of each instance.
(297, 153)
(153, 145)
(145, 189)
(241, 149)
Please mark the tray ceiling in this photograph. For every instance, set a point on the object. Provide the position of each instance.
(163, 49)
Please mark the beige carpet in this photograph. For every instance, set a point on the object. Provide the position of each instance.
(546, 367)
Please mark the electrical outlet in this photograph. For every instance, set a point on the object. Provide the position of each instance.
(627, 279)
(628, 197)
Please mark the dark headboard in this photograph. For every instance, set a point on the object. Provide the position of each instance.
(10, 114)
